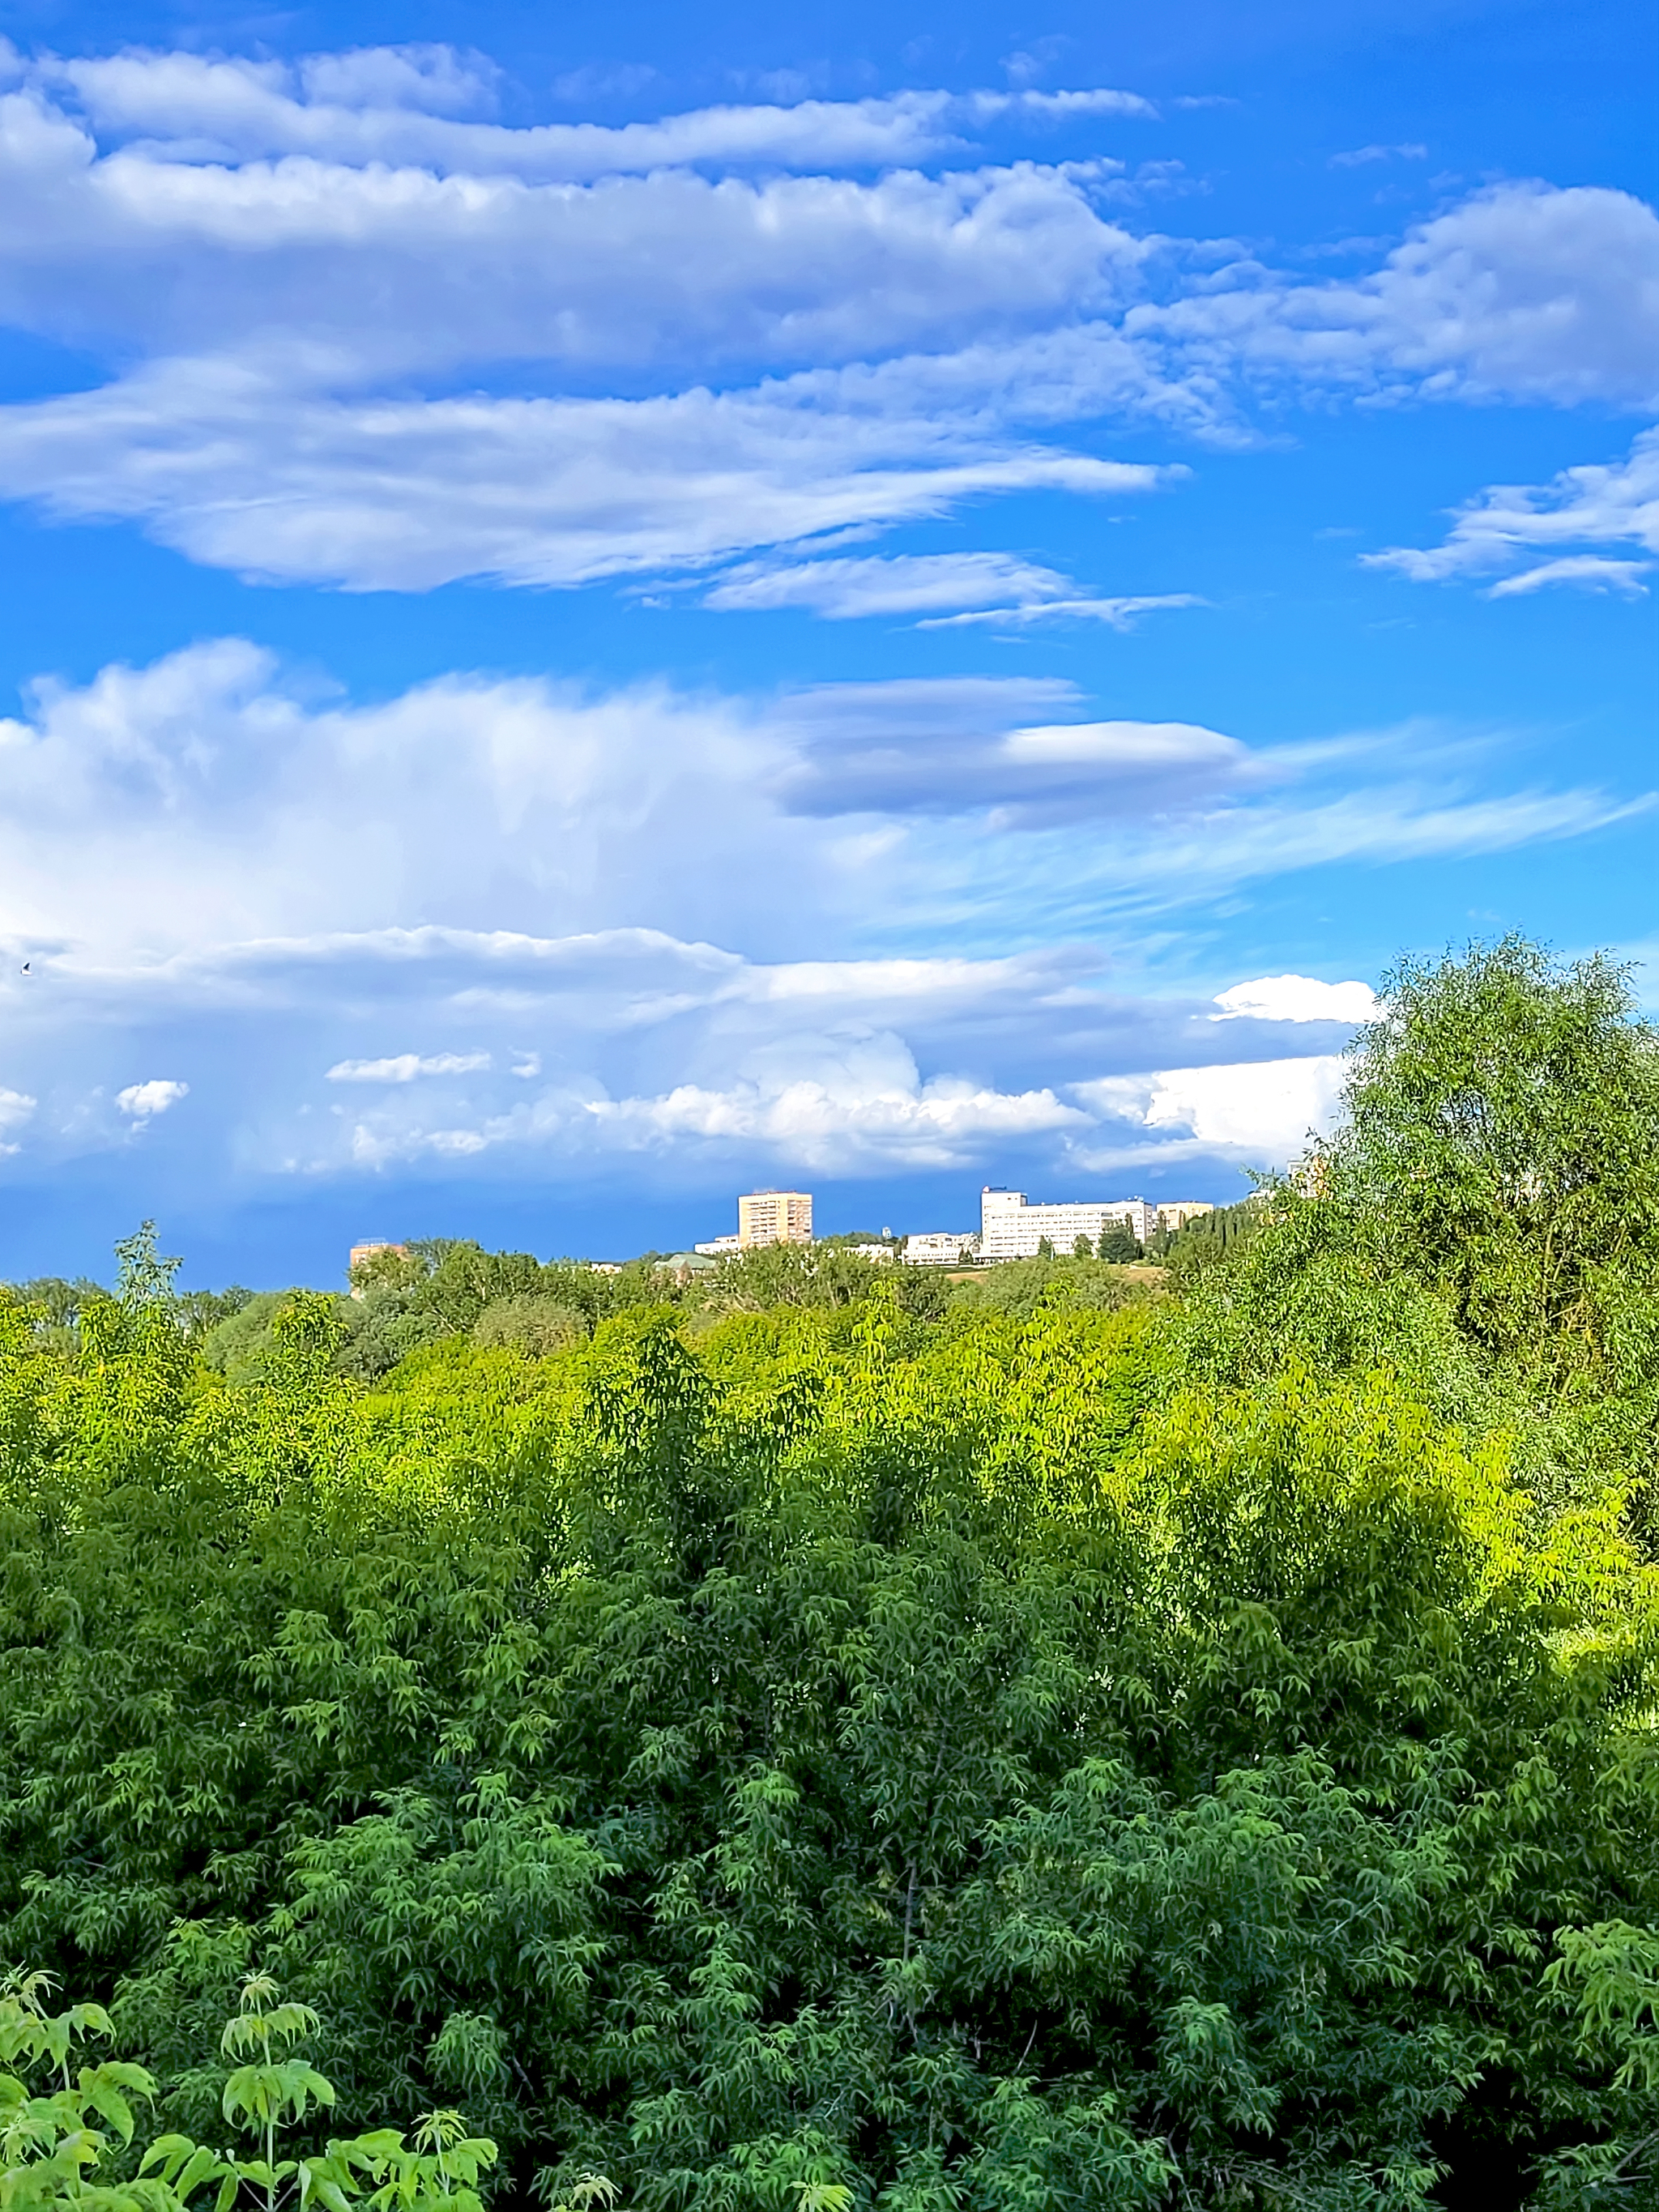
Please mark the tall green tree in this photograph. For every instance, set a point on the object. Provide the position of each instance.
(1501, 1141)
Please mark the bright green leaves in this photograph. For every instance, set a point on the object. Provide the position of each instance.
(1611, 1971)
(274, 2087)
(52, 2155)
(55, 2136)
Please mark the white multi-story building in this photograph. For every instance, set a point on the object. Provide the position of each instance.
(941, 1248)
(1011, 1228)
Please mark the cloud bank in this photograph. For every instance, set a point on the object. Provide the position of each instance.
(492, 926)
(361, 334)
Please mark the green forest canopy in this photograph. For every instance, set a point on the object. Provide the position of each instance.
(1046, 1743)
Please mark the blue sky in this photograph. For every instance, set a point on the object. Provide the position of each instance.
(603, 607)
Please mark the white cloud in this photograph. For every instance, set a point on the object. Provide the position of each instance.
(1054, 105)
(1261, 1111)
(390, 106)
(1119, 614)
(16, 1107)
(715, 342)
(240, 472)
(208, 800)
(915, 748)
(833, 1103)
(143, 1101)
(430, 79)
(837, 1127)
(1361, 156)
(366, 272)
(639, 924)
(1296, 998)
(1509, 525)
(1522, 292)
(202, 801)
(405, 1066)
(998, 588)
(1592, 572)
(890, 584)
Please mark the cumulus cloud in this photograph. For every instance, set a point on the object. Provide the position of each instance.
(837, 1103)
(1260, 1112)
(143, 1101)
(1296, 998)
(202, 800)
(375, 271)
(873, 1106)
(1509, 525)
(1522, 292)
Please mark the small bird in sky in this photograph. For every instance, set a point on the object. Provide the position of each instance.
(26, 966)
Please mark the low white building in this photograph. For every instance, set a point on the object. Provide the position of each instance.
(941, 1248)
(717, 1247)
(1011, 1228)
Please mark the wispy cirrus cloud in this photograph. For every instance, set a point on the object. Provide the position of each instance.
(1570, 522)
(1359, 157)
(997, 589)
(239, 471)
(1121, 614)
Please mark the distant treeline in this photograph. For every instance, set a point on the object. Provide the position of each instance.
(440, 1288)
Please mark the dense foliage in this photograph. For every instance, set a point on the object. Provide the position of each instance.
(1048, 1742)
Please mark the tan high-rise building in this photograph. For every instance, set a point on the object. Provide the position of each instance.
(774, 1217)
(362, 1253)
(1178, 1215)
